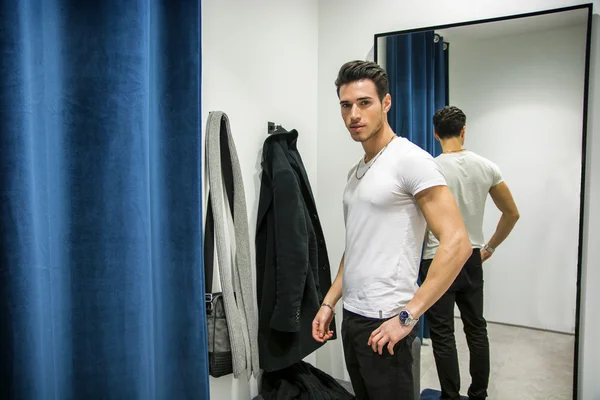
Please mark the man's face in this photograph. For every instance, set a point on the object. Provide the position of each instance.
(362, 110)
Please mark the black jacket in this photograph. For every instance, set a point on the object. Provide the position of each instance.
(292, 265)
(302, 381)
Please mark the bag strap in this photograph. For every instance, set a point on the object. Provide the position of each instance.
(209, 230)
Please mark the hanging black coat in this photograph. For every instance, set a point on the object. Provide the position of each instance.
(292, 265)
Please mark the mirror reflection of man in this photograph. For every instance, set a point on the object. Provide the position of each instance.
(470, 177)
(392, 193)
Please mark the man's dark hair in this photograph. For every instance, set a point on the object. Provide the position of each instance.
(357, 70)
(449, 121)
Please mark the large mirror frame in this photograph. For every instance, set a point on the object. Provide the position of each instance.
(589, 8)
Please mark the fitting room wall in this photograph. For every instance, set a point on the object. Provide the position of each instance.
(346, 30)
(523, 118)
(259, 62)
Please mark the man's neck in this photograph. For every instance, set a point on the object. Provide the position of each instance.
(378, 142)
(451, 145)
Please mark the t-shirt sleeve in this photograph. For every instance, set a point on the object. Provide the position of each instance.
(420, 171)
(496, 174)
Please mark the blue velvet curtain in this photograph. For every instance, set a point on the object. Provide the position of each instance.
(417, 67)
(101, 282)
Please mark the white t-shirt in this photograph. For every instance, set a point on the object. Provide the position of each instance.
(470, 178)
(385, 228)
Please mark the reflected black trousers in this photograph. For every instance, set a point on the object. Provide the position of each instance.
(467, 292)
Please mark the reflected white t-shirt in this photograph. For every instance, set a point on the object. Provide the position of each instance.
(385, 228)
(470, 178)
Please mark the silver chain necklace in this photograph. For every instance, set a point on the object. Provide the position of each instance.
(372, 162)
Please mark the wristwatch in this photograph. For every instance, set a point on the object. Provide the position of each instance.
(406, 318)
(489, 248)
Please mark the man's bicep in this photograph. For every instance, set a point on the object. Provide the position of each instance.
(503, 198)
(440, 210)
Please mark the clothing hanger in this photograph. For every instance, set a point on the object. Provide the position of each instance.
(273, 128)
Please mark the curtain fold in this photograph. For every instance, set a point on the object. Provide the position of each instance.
(101, 278)
(417, 71)
(417, 67)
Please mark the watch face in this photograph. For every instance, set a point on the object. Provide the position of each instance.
(403, 316)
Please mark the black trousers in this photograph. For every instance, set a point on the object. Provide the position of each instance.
(375, 376)
(467, 292)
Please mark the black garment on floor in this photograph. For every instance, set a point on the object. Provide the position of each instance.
(302, 381)
(375, 376)
(467, 292)
(292, 265)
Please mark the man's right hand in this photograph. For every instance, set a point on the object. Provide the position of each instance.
(485, 255)
(320, 325)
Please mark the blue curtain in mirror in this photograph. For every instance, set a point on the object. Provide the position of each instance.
(417, 67)
(101, 282)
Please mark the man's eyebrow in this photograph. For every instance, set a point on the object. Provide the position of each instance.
(359, 99)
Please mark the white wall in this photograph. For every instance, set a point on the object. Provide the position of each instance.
(259, 62)
(523, 97)
(346, 30)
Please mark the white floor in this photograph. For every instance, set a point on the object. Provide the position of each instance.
(525, 363)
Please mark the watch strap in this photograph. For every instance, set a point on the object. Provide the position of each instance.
(489, 248)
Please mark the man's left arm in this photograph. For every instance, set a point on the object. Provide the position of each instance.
(446, 223)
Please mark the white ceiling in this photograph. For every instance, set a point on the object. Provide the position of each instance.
(516, 26)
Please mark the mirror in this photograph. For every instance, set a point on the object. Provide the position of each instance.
(521, 82)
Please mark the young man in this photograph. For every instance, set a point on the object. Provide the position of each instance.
(470, 177)
(391, 195)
